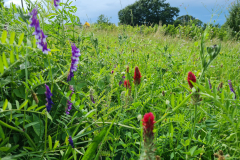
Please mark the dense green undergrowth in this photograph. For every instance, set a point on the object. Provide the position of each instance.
(105, 120)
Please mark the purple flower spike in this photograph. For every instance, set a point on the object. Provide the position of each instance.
(231, 87)
(44, 48)
(56, 3)
(120, 83)
(69, 104)
(92, 99)
(38, 33)
(123, 77)
(75, 60)
(210, 85)
(48, 98)
(71, 141)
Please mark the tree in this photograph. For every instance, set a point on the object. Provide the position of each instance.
(233, 19)
(103, 19)
(148, 12)
(187, 20)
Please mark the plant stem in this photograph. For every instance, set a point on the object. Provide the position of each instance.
(50, 73)
(46, 121)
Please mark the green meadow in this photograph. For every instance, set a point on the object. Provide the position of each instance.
(192, 120)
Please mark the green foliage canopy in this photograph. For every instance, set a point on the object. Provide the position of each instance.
(148, 12)
(187, 20)
(233, 19)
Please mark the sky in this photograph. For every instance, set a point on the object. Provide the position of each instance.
(213, 11)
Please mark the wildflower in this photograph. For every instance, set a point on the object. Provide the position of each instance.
(127, 84)
(139, 117)
(48, 98)
(74, 63)
(56, 3)
(137, 76)
(112, 71)
(38, 33)
(231, 87)
(191, 77)
(71, 141)
(148, 144)
(91, 96)
(120, 83)
(123, 77)
(148, 124)
(167, 102)
(69, 104)
(210, 85)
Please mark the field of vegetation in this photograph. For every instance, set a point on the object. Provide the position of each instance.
(108, 92)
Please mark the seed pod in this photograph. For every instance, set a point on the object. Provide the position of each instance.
(127, 70)
(35, 97)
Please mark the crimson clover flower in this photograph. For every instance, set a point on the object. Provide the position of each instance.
(48, 98)
(231, 87)
(38, 33)
(127, 84)
(71, 141)
(112, 71)
(75, 60)
(137, 76)
(69, 104)
(148, 124)
(56, 3)
(191, 77)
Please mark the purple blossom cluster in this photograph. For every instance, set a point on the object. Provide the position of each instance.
(56, 3)
(75, 60)
(71, 141)
(121, 82)
(48, 98)
(38, 33)
(231, 87)
(69, 104)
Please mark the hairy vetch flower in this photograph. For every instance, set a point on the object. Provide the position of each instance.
(56, 3)
(69, 104)
(191, 77)
(48, 98)
(91, 96)
(75, 60)
(38, 33)
(210, 85)
(71, 141)
(127, 84)
(231, 87)
(137, 76)
(148, 124)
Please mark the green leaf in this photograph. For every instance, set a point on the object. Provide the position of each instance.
(5, 105)
(23, 104)
(90, 114)
(56, 144)
(31, 124)
(4, 36)
(4, 60)
(32, 107)
(2, 135)
(91, 151)
(38, 128)
(49, 116)
(192, 150)
(11, 57)
(50, 142)
(40, 108)
(1, 65)
(12, 36)
(12, 148)
(20, 39)
(17, 104)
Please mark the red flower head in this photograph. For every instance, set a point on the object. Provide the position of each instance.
(137, 76)
(191, 77)
(148, 124)
(127, 84)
